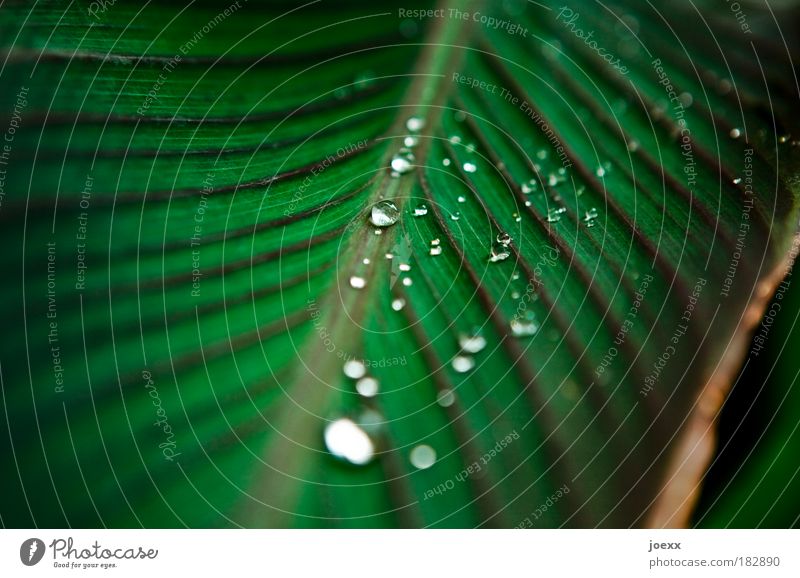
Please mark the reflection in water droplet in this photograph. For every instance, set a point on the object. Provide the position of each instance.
(499, 252)
(470, 167)
(384, 214)
(422, 457)
(403, 161)
(471, 343)
(398, 304)
(524, 327)
(421, 210)
(462, 363)
(541, 154)
(445, 398)
(367, 386)
(357, 282)
(415, 124)
(346, 441)
(354, 369)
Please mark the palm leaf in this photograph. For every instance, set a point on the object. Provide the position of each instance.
(215, 170)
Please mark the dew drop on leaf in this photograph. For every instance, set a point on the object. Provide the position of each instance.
(471, 342)
(554, 214)
(348, 442)
(525, 326)
(415, 124)
(446, 162)
(398, 304)
(403, 161)
(470, 167)
(422, 457)
(462, 363)
(367, 386)
(436, 251)
(354, 369)
(499, 252)
(455, 216)
(735, 133)
(384, 214)
(445, 398)
(421, 210)
(462, 199)
(504, 238)
(411, 141)
(407, 281)
(357, 282)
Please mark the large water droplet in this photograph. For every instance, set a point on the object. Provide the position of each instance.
(525, 326)
(462, 363)
(499, 252)
(415, 124)
(357, 282)
(471, 342)
(354, 369)
(384, 214)
(422, 457)
(346, 441)
(367, 386)
(403, 161)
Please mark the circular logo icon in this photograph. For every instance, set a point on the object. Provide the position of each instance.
(31, 552)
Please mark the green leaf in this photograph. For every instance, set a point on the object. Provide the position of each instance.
(186, 229)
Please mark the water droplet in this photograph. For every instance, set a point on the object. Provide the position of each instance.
(471, 342)
(528, 203)
(737, 180)
(516, 217)
(398, 304)
(421, 210)
(411, 141)
(633, 146)
(735, 133)
(462, 199)
(446, 162)
(530, 186)
(357, 282)
(460, 116)
(470, 167)
(515, 295)
(600, 172)
(345, 440)
(365, 261)
(504, 239)
(554, 214)
(367, 386)
(415, 124)
(514, 276)
(384, 214)
(455, 216)
(784, 138)
(404, 267)
(524, 327)
(436, 251)
(470, 148)
(422, 457)
(354, 369)
(445, 398)
(541, 154)
(455, 139)
(378, 232)
(435, 242)
(589, 217)
(407, 281)
(403, 161)
(389, 256)
(499, 252)
(462, 363)
(554, 179)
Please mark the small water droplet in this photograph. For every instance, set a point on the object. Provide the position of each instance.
(541, 154)
(462, 199)
(346, 441)
(422, 457)
(421, 210)
(514, 276)
(455, 139)
(460, 116)
(600, 172)
(462, 363)
(515, 295)
(471, 342)
(411, 141)
(455, 216)
(516, 217)
(398, 304)
(365, 261)
(524, 327)
(633, 146)
(384, 214)
(415, 124)
(446, 162)
(528, 203)
(470, 148)
(404, 267)
(530, 186)
(445, 398)
(436, 251)
(389, 256)
(403, 161)
(354, 369)
(554, 214)
(504, 239)
(378, 232)
(737, 180)
(435, 242)
(589, 217)
(357, 282)
(407, 281)
(499, 252)
(735, 133)
(367, 386)
(470, 167)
